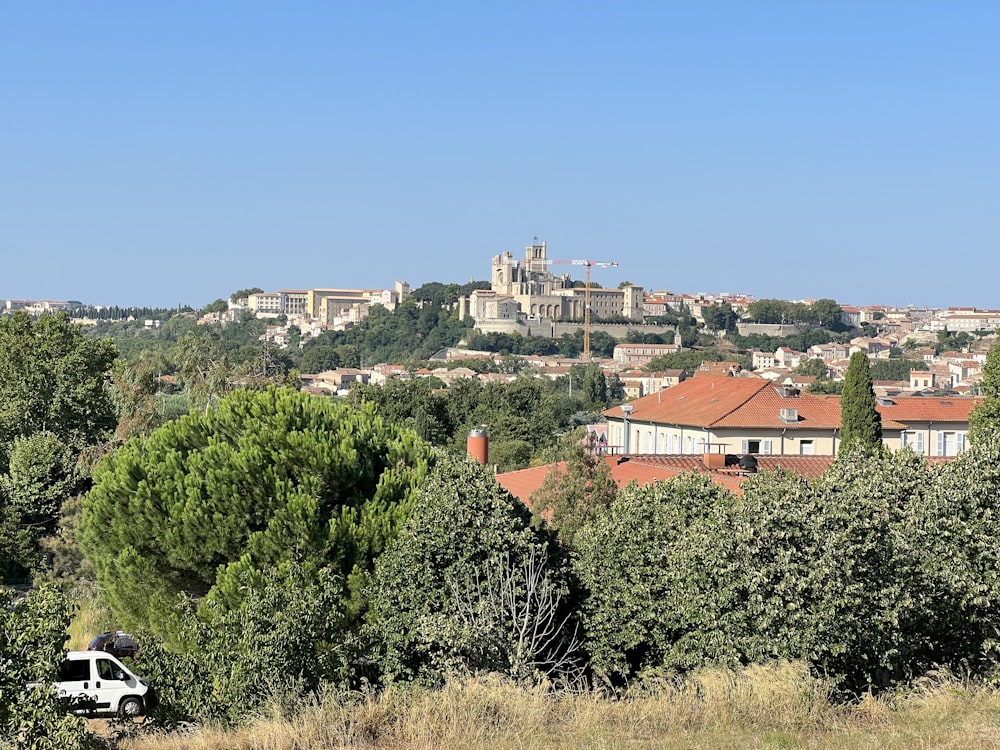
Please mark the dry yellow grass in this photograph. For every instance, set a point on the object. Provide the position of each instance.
(91, 618)
(778, 706)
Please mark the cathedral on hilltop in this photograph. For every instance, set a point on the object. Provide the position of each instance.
(539, 293)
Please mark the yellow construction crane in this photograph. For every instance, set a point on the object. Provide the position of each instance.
(587, 264)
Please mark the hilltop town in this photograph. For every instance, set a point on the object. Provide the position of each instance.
(942, 350)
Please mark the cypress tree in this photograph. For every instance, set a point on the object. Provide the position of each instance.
(985, 417)
(860, 422)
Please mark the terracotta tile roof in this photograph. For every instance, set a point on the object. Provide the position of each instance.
(521, 484)
(908, 409)
(764, 410)
(751, 402)
(696, 401)
(646, 469)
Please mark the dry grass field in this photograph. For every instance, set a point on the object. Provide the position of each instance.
(779, 706)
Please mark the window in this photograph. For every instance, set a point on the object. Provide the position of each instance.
(947, 444)
(805, 447)
(74, 670)
(107, 670)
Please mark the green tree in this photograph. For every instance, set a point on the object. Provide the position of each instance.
(826, 313)
(720, 317)
(32, 635)
(956, 541)
(470, 586)
(861, 424)
(895, 369)
(813, 367)
(243, 294)
(220, 305)
(985, 417)
(261, 481)
(319, 358)
(655, 578)
(683, 574)
(132, 389)
(575, 489)
(52, 379)
(42, 473)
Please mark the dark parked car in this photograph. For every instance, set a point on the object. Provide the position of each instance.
(117, 643)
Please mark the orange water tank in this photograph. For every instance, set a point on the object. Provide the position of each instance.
(478, 445)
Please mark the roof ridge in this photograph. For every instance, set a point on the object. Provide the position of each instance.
(764, 384)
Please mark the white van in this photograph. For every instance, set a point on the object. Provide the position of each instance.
(95, 682)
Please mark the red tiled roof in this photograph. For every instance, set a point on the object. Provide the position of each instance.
(647, 469)
(751, 402)
(764, 410)
(909, 409)
(696, 401)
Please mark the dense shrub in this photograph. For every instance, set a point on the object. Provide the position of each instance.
(470, 586)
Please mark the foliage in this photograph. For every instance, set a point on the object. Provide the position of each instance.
(469, 586)
(571, 494)
(690, 360)
(650, 566)
(444, 295)
(720, 317)
(286, 637)
(32, 634)
(814, 367)
(870, 603)
(133, 389)
(42, 471)
(220, 305)
(799, 341)
(409, 403)
(822, 312)
(895, 368)
(511, 343)
(637, 336)
(826, 386)
(211, 501)
(52, 379)
(950, 340)
(873, 573)
(861, 424)
(413, 331)
(985, 417)
(241, 295)
(956, 538)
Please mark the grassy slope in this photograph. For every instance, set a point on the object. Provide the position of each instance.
(773, 707)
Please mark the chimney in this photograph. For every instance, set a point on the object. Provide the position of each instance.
(478, 445)
(714, 460)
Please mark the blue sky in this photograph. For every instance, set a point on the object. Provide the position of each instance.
(171, 153)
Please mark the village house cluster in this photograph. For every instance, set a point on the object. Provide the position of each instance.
(724, 409)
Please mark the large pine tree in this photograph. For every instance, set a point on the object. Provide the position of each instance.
(860, 422)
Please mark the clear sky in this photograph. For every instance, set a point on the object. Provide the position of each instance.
(174, 152)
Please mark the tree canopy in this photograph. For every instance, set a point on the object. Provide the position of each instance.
(261, 480)
(861, 424)
(469, 586)
(985, 417)
(52, 380)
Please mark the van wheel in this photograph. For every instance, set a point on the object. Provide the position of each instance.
(130, 707)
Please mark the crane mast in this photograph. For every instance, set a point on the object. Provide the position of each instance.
(587, 264)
